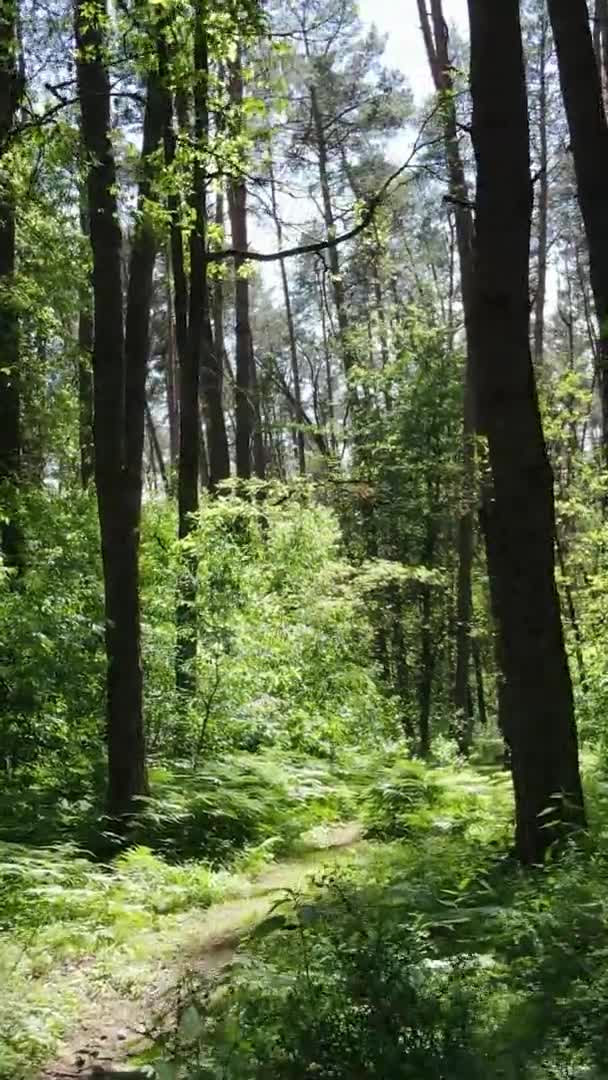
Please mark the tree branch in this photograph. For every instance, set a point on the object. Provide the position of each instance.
(318, 246)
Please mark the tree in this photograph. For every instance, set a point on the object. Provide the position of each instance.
(582, 94)
(435, 34)
(11, 88)
(237, 199)
(541, 731)
(120, 354)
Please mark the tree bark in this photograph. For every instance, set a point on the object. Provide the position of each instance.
(582, 93)
(10, 394)
(245, 410)
(171, 375)
(85, 372)
(542, 734)
(213, 373)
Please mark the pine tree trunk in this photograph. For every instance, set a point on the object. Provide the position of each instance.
(435, 36)
(213, 374)
(189, 375)
(10, 395)
(237, 199)
(543, 203)
(293, 350)
(582, 94)
(171, 376)
(85, 375)
(259, 452)
(542, 734)
(348, 357)
(119, 372)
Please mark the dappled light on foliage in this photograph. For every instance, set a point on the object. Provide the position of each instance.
(303, 540)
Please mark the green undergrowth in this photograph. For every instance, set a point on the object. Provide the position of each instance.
(432, 955)
(69, 916)
(423, 952)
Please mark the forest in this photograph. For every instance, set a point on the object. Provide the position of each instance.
(303, 540)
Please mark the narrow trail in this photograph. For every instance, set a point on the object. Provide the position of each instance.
(113, 1024)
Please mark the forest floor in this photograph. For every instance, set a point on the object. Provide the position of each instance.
(116, 1014)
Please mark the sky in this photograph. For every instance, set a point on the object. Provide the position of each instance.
(404, 48)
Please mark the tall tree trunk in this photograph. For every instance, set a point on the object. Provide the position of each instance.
(85, 373)
(171, 374)
(213, 372)
(293, 350)
(435, 35)
(479, 684)
(348, 356)
(542, 733)
(582, 94)
(10, 396)
(245, 373)
(189, 374)
(119, 372)
(543, 200)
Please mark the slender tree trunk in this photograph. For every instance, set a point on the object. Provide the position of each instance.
(10, 392)
(582, 94)
(348, 356)
(190, 358)
(572, 616)
(85, 373)
(427, 668)
(427, 644)
(259, 452)
(119, 371)
(329, 379)
(213, 372)
(156, 453)
(543, 202)
(479, 684)
(435, 35)
(245, 414)
(542, 733)
(171, 375)
(293, 349)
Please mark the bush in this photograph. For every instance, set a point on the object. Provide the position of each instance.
(391, 804)
(343, 993)
(230, 805)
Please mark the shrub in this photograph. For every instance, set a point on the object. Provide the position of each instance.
(392, 801)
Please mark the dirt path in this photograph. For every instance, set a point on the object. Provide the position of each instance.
(113, 1024)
